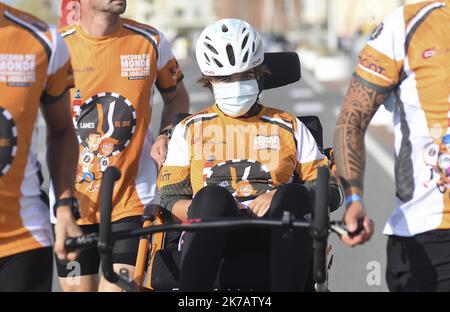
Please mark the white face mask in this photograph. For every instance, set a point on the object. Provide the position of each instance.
(236, 98)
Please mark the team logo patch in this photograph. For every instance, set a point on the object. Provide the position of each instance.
(18, 70)
(243, 178)
(262, 142)
(8, 141)
(377, 32)
(105, 125)
(135, 66)
(106, 117)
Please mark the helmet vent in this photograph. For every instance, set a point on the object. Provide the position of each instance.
(245, 57)
(253, 47)
(244, 29)
(211, 48)
(224, 28)
(218, 63)
(230, 53)
(244, 42)
(208, 38)
(207, 58)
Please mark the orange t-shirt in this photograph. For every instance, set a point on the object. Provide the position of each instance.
(34, 69)
(116, 77)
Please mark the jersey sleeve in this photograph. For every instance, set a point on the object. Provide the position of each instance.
(381, 59)
(174, 177)
(169, 72)
(309, 156)
(59, 71)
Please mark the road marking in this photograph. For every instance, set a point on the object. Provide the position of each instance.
(303, 108)
(301, 93)
(383, 158)
(318, 87)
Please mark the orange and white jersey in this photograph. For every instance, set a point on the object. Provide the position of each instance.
(116, 77)
(34, 69)
(248, 156)
(410, 53)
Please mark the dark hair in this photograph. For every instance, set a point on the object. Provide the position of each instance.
(261, 72)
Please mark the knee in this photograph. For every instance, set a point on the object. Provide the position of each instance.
(293, 197)
(212, 201)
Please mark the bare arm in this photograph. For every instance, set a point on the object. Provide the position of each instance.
(62, 146)
(360, 104)
(62, 157)
(175, 102)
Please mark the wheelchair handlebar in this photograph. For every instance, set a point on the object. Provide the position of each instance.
(320, 228)
(319, 225)
(105, 244)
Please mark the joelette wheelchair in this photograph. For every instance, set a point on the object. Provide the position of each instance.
(158, 264)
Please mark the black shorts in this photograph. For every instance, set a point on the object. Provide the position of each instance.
(419, 263)
(27, 271)
(124, 251)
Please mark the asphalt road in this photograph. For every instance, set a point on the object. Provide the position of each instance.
(354, 269)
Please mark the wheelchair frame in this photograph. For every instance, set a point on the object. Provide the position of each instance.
(283, 71)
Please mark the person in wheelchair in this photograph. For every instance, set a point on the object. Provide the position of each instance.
(240, 158)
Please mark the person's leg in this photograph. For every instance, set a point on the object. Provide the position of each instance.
(290, 257)
(80, 275)
(124, 252)
(202, 252)
(30, 271)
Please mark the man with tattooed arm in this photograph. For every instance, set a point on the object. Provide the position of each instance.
(408, 55)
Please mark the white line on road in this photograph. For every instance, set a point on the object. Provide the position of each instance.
(308, 108)
(318, 87)
(301, 93)
(383, 158)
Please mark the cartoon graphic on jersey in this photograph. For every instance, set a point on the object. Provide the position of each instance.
(8, 141)
(86, 158)
(76, 105)
(105, 125)
(243, 178)
(437, 157)
(106, 148)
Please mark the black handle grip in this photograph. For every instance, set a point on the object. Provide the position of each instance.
(358, 230)
(111, 175)
(151, 212)
(81, 242)
(320, 224)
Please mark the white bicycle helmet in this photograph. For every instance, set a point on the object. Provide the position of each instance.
(229, 46)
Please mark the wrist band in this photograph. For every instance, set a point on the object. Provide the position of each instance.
(352, 198)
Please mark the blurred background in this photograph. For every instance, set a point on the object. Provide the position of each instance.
(328, 35)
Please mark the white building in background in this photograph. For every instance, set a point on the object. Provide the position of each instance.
(173, 17)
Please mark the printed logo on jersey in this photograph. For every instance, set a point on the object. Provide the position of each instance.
(105, 125)
(243, 178)
(135, 66)
(18, 70)
(262, 142)
(429, 53)
(8, 141)
(437, 158)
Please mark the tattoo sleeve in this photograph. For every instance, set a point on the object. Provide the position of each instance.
(360, 104)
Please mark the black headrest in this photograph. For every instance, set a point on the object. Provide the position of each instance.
(284, 68)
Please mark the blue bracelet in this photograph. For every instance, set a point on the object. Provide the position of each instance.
(352, 198)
